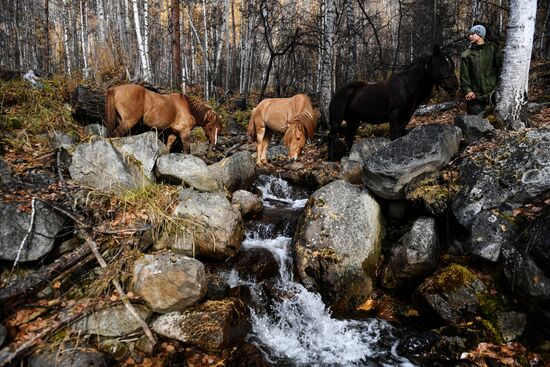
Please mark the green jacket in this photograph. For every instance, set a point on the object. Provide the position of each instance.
(480, 69)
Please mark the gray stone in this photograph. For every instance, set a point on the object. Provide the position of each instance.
(236, 172)
(69, 355)
(14, 226)
(523, 274)
(169, 282)
(413, 256)
(473, 127)
(511, 324)
(113, 321)
(337, 244)
(180, 168)
(425, 149)
(247, 202)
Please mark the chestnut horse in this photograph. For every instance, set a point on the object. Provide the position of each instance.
(293, 116)
(393, 101)
(128, 104)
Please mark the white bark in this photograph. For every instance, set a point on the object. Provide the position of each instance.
(146, 34)
(327, 39)
(228, 61)
(84, 42)
(101, 22)
(205, 50)
(512, 92)
(65, 21)
(145, 67)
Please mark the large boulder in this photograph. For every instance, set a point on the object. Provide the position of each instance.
(211, 225)
(337, 244)
(248, 203)
(178, 168)
(99, 165)
(112, 321)
(524, 275)
(142, 150)
(413, 256)
(69, 355)
(39, 240)
(169, 282)
(454, 293)
(425, 149)
(351, 168)
(511, 171)
(212, 325)
(235, 172)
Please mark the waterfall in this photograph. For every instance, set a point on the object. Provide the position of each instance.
(298, 329)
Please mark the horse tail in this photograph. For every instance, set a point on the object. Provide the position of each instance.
(251, 129)
(110, 112)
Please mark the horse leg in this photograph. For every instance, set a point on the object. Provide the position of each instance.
(332, 138)
(397, 126)
(260, 133)
(351, 130)
(265, 144)
(185, 136)
(170, 141)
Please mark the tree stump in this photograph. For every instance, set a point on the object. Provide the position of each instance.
(88, 105)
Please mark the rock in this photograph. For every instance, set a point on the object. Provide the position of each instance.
(112, 321)
(236, 172)
(248, 203)
(489, 232)
(258, 263)
(523, 274)
(169, 282)
(99, 165)
(215, 227)
(337, 244)
(211, 326)
(59, 140)
(14, 226)
(199, 148)
(6, 176)
(511, 324)
(115, 348)
(70, 355)
(537, 235)
(425, 149)
(431, 193)
(473, 127)
(179, 168)
(453, 293)
(143, 150)
(351, 168)
(276, 152)
(514, 170)
(217, 287)
(413, 256)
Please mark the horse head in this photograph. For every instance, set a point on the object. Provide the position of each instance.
(213, 126)
(443, 71)
(299, 131)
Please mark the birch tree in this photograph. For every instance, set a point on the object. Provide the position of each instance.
(84, 40)
(512, 92)
(145, 67)
(326, 63)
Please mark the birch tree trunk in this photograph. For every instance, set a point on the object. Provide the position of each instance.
(65, 21)
(146, 36)
(84, 41)
(512, 92)
(326, 77)
(176, 47)
(205, 50)
(145, 68)
(101, 22)
(228, 61)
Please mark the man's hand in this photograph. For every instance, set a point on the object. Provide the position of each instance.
(470, 96)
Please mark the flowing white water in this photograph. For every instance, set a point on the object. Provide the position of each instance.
(299, 329)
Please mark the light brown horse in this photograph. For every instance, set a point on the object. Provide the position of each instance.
(128, 104)
(293, 116)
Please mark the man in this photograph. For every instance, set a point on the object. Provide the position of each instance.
(479, 71)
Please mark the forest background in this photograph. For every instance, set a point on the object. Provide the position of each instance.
(275, 48)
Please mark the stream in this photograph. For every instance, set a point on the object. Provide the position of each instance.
(297, 329)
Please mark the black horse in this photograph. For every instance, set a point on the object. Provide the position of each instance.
(393, 100)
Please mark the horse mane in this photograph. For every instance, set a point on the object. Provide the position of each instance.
(200, 110)
(304, 121)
